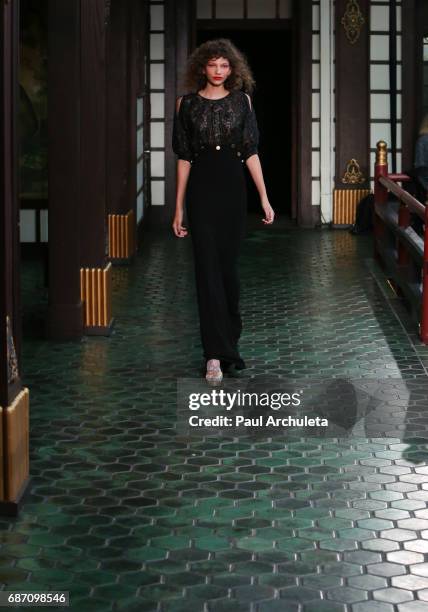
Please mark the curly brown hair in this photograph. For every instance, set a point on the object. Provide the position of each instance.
(241, 76)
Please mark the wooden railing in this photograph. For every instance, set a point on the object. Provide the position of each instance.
(400, 250)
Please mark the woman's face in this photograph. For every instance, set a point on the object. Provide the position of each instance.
(217, 70)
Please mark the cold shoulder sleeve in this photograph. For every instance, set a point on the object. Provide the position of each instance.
(180, 136)
(250, 138)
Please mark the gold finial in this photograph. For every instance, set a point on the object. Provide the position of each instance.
(381, 153)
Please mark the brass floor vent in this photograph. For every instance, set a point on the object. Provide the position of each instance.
(345, 205)
(121, 235)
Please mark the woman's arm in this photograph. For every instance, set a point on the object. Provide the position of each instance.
(183, 170)
(182, 148)
(255, 168)
(252, 160)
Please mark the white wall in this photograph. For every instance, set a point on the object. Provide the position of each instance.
(379, 80)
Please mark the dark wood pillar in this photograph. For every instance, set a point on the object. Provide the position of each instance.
(79, 275)
(65, 317)
(411, 79)
(120, 108)
(117, 108)
(93, 131)
(133, 68)
(95, 272)
(352, 87)
(14, 399)
(145, 93)
(9, 241)
(180, 17)
(302, 11)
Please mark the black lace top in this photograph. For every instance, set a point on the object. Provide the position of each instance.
(203, 122)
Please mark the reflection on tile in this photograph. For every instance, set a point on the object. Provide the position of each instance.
(128, 515)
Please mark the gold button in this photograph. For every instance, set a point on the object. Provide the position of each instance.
(218, 147)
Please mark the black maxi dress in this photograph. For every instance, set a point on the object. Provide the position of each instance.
(217, 136)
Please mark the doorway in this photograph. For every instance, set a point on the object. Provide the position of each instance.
(33, 165)
(269, 53)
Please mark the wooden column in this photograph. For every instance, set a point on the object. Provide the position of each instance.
(65, 315)
(411, 81)
(141, 33)
(14, 399)
(120, 106)
(79, 274)
(179, 21)
(352, 172)
(302, 21)
(95, 271)
(133, 85)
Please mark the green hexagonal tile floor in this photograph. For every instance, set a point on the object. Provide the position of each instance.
(127, 514)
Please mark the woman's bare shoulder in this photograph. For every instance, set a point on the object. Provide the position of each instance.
(249, 99)
(180, 99)
(178, 103)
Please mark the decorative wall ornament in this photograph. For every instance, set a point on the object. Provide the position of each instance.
(352, 21)
(353, 174)
(107, 8)
(12, 361)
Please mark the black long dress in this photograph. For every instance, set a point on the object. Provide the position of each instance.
(217, 136)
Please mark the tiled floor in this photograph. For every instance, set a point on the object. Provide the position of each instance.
(127, 514)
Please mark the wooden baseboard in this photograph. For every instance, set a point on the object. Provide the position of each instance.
(15, 424)
(121, 236)
(95, 290)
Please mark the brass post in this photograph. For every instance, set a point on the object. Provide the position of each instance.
(381, 153)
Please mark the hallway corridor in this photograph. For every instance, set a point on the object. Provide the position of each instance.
(127, 515)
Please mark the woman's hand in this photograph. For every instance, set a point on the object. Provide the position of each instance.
(179, 230)
(269, 212)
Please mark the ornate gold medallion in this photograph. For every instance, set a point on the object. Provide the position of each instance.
(353, 21)
(353, 174)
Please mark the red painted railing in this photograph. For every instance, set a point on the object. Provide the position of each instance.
(401, 252)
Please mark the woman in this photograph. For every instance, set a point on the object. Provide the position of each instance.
(215, 133)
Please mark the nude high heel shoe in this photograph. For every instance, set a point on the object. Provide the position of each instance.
(214, 373)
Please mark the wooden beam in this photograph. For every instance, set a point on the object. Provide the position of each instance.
(409, 83)
(93, 17)
(118, 105)
(303, 22)
(132, 92)
(352, 97)
(14, 400)
(179, 20)
(65, 306)
(9, 212)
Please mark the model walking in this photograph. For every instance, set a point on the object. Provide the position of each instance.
(215, 133)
